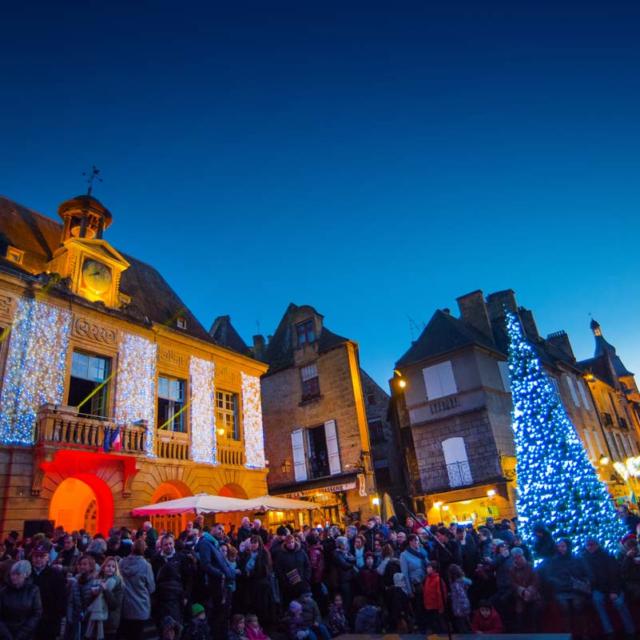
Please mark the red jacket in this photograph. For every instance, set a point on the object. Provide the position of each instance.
(434, 593)
(492, 624)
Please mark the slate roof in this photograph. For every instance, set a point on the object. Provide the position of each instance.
(445, 333)
(152, 299)
(224, 334)
(279, 351)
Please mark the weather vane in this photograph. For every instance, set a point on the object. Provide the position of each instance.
(93, 176)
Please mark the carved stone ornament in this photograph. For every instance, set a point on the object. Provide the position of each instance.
(6, 304)
(83, 328)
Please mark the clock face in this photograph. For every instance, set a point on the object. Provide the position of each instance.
(97, 276)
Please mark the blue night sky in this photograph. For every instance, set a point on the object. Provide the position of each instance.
(373, 160)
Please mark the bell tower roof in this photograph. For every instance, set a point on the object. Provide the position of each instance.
(84, 217)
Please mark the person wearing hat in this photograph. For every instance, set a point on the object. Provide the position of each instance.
(526, 589)
(197, 629)
(52, 584)
(604, 576)
(170, 629)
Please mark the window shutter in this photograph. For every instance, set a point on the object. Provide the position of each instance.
(583, 394)
(589, 445)
(309, 372)
(299, 461)
(439, 380)
(504, 374)
(572, 390)
(333, 451)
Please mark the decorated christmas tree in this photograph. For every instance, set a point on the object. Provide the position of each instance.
(557, 484)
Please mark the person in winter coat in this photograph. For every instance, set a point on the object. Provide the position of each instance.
(369, 581)
(630, 574)
(368, 618)
(526, 590)
(413, 563)
(460, 605)
(173, 575)
(113, 593)
(604, 576)
(543, 547)
(398, 603)
(344, 563)
(85, 588)
(446, 550)
(566, 577)
(139, 584)
(52, 584)
(337, 618)
(486, 619)
(502, 599)
(198, 628)
(435, 599)
(293, 570)
(255, 567)
(20, 604)
(315, 551)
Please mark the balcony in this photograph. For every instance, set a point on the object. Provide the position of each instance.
(59, 425)
(172, 445)
(230, 453)
(459, 474)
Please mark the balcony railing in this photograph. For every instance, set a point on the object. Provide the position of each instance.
(63, 426)
(459, 474)
(231, 453)
(172, 445)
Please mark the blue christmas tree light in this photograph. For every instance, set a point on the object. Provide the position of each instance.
(557, 484)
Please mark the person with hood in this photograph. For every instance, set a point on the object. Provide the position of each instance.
(566, 577)
(604, 576)
(20, 604)
(173, 576)
(435, 598)
(543, 547)
(486, 619)
(293, 570)
(139, 584)
(53, 592)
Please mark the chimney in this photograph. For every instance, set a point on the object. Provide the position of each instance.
(529, 324)
(473, 311)
(258, 347)
(560, 339)
(498, 301)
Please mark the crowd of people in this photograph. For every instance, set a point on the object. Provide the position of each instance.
(315, 583)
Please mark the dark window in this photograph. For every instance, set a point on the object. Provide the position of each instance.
(371, 398)
(376, 431)
(318, 454)
(171, 404)
(227, 415)
(305, 332)
(310, 382)
(89, 384)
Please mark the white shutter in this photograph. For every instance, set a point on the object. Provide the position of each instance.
(333, 451)
(439, 380)
(299, 461)
(583, 393)
(309, 372)
(589, 445)
(572, 390)
(504, 374)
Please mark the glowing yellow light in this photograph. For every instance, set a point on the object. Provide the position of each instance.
(221, 431)
(446, 507)
(604, 460)
(491, 493)
(402, 383)
(438, 504)
(466, 502)
(376, 501)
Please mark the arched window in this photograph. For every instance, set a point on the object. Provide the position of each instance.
(455, 457)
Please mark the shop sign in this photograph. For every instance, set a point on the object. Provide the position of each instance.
(335, 488)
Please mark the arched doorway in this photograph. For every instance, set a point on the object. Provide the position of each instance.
(171, 523)
(82, 502)
(231, 490)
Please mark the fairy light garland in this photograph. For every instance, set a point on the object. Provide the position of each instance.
(557, 484)
(202, 410)
(252, 424)
(35, 367)
(135, 388)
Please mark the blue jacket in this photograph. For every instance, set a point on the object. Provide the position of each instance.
(414, 567)
(211, 560)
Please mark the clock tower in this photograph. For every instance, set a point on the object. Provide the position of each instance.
(93, 266)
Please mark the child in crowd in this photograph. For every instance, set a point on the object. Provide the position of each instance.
(460, 605)
(337, 620)
(486, 619)
(298, 628)
(198, 628)
(170, 629)
(435, 598)
(312, 617)
(253, 629)
(238, 629)
(368, 616)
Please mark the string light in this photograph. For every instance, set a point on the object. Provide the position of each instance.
(35, 367)
(203, 427)
(135, 389)
(557, 485)
(253, 437)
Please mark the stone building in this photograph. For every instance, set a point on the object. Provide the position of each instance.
(615, 395)
(452, 405)
(113, 395)
(315, 421)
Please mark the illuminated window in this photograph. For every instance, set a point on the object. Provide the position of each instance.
(15, 255)
(181, 323)
(305, 332)
(310, 382)
(89, 384)
(171, 404)
(227, 414)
